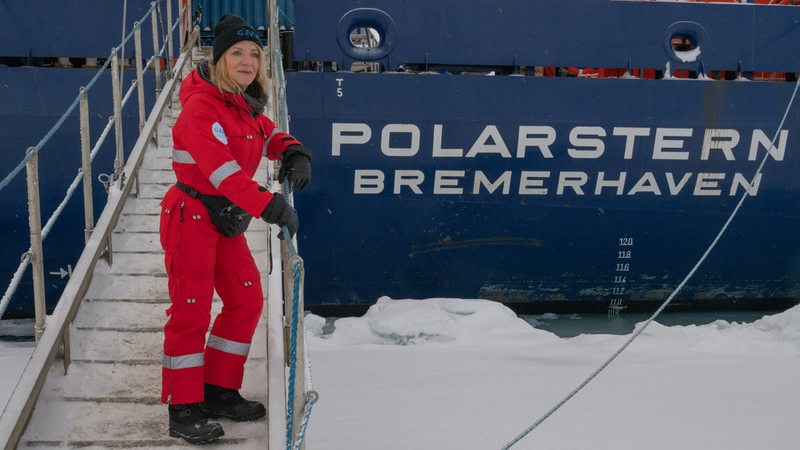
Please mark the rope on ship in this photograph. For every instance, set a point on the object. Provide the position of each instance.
(669, 299)
(311, 396)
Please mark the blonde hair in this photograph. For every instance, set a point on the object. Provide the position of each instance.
(222, 79)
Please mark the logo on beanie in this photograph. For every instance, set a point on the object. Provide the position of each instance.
(247, 32)
(219, 133)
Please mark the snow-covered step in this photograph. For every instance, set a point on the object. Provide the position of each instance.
(116, 424)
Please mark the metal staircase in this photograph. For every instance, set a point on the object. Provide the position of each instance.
(110, 394)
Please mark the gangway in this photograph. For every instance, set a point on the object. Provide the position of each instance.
(93, 379)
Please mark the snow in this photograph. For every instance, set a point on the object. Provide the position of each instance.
(689, 55)
(469, 374)
(14, 355)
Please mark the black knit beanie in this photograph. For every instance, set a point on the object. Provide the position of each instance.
(229, 30)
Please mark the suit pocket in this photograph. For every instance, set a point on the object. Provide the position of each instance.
(171, 209)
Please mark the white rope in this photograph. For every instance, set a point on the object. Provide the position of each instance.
(674, 293)
(26, 257)
(15, 280)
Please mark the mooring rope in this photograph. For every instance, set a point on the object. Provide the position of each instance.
(669, 299)
(310, 395)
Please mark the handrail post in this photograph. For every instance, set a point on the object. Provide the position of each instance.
(119, 161)
(35, 223)
(156, 51)
(168, 37)
(137, 35)
(182, 27)
(86, 166)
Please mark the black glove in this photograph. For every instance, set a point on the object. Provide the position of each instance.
(281, 213)
(296, 164)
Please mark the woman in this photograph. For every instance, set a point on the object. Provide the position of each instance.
(219, 139)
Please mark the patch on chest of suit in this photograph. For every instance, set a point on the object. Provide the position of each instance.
(219, 133)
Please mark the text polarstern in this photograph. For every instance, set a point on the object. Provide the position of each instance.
(708, 149)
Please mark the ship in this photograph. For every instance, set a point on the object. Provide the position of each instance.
(555, 156)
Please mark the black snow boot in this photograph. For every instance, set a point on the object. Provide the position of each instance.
(223, 402)
(191, 422)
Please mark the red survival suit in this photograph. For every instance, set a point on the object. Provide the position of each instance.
(218, 142)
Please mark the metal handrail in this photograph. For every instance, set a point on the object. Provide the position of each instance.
(288, 401)
(276, 336)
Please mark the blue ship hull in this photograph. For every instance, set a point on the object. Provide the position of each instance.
(574, 226)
